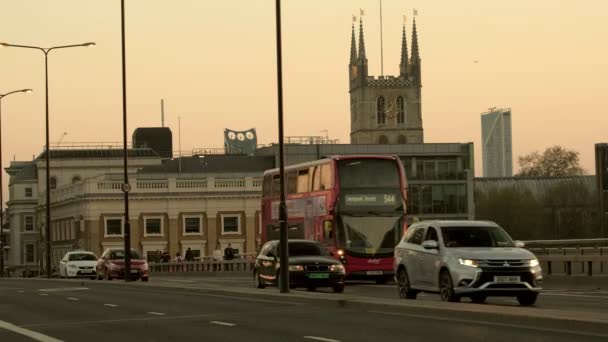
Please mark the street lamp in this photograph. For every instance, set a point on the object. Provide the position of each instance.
(1, 186)
(46, 52)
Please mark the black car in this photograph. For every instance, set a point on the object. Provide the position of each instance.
(310, 266)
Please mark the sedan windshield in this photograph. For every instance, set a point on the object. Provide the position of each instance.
(82, 257)
(475, 237)
(306, 249)
(120, 254)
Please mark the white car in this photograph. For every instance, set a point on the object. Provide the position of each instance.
(78, 264)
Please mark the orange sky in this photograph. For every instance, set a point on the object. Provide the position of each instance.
(214, 64)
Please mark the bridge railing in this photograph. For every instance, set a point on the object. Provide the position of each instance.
(203, 266)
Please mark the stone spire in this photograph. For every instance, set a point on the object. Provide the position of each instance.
(362, 56)
(415, 53)
(353, 48)
(404, 54)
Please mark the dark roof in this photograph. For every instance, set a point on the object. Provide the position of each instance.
(213, 164)
(98, 153)
(23, 172)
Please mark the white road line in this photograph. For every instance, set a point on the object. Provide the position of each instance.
(72, 298)
(111, 305)
(43, 294)
(25, 332)
(156, 313)
(223, 323)
(20, 291)
(60, 289)
(317, 338)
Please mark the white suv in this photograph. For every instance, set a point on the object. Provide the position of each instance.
(457, 259)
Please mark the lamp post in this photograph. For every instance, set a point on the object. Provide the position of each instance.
(1, 186)
(284, 255)
(126, 187)
(46, 52)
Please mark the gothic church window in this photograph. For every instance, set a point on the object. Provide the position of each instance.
(381, 112)
(400, 110)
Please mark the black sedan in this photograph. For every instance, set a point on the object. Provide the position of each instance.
(310, 266)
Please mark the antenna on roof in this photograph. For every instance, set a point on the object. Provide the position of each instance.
(162, 113)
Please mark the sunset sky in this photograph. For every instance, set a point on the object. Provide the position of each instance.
(214, 63)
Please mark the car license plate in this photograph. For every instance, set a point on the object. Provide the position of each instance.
(134, 271)
(318, 275)
(507, 279)
(373, 272)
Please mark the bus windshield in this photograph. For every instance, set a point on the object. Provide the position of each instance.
(370, 235)
(368, 173)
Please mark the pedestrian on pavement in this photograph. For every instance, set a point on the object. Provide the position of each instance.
(228, 252)
(178, 257)
(189, 256)
(165, 257)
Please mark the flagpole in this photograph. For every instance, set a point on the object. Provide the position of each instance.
(381, 44)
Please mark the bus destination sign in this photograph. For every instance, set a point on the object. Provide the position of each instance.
(370, 199)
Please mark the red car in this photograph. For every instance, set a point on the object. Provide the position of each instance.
(111, 265)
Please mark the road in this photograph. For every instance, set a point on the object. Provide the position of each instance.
(573, 300)
(99, 311)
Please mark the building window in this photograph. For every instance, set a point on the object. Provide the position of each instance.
(29, 223)
(193, 225)
(28, 192)
(381, 111)
(400, 110)
(383, 140)
(401, 139)
(153, 226)
(53, 183)
(29, 253)
(114, 226)
(231, 224)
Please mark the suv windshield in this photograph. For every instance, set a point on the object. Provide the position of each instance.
(82, 257)
(475, 237)
(120, 254)
(306, 249)
(370, 234)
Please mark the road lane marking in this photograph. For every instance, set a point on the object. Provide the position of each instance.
(43, 294)
(28, 333)
(223, 323)
(317, 338)
(156, 313)
(490, 323)
(72, 298)
(61, 289)
(20, 291)
(111, 305)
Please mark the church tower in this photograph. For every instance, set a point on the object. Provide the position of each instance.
(385, 109)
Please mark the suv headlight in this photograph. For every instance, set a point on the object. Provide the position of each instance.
(337, 268)
(534, 263)
(468, 262)
(296, 268)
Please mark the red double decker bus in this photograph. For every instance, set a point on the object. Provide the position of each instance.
(354, 205)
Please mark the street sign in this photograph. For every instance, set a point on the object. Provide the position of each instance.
(126, 187)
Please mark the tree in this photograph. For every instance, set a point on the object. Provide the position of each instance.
(555, 161)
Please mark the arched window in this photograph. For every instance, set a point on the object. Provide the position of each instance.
(400, 110)
(383, 140)
(381, 113)
(53, 182)
(401, 139)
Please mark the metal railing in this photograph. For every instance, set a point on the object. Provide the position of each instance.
(203, 266)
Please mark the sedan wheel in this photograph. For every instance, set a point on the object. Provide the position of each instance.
(446, 288)
(403, 286)
(257, 282)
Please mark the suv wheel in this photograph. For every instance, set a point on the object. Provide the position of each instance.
(446, 287)
(403, 286)
(527, 299)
